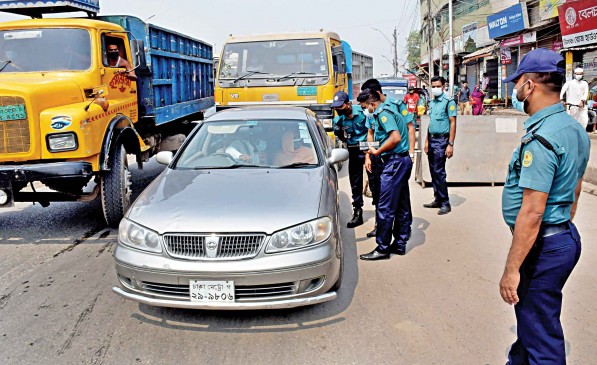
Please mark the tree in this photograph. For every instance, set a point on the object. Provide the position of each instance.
(414, 49)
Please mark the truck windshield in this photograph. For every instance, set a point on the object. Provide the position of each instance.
(299, 57)
(45, 49)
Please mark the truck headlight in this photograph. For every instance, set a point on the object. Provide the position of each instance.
(136, 236)
(327, 123)
(61, 142)
(303, 235)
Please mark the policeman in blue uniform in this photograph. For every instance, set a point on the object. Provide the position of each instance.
(538, 203)
(349, 127)
(399, 108)
(439, 144)
(390, 130)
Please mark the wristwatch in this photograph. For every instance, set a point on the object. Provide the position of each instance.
(412, 155)
(451, 143)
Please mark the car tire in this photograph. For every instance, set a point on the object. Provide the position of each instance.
(116, 188)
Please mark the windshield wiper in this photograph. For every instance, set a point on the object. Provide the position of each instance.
(235, 166)
(6, 63)
(297, 165)
(249, 73)
(295, 74)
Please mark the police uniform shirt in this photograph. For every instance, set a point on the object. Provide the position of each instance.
(385, 121)
(440, 109)
(355, 128)
(540, 169)
(398, 107)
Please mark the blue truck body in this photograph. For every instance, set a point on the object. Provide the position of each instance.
(36, 8)
(177, 78)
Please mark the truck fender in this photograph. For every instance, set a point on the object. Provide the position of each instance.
(120, 129)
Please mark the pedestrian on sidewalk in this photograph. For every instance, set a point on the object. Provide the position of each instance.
(577, 92)
(464, 96)
(439, 144)
(538, 204)
(350, 127)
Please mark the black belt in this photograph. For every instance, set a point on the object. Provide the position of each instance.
(547, 230)
(392, 155)
(439, 135)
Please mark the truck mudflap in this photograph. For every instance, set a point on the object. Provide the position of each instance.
(14, 177)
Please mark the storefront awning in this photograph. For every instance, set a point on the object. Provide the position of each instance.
(481, 53)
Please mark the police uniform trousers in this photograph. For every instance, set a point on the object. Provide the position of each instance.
(437, 167)
(356, 162)
(393, 208)
(374, 177)
(542, 277)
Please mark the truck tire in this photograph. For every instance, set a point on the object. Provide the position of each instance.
(116, 188)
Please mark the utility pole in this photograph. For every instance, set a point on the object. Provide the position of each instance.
(430, 40)
(451, 66)
(395, 53)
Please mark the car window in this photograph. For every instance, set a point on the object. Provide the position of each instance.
(249, 143)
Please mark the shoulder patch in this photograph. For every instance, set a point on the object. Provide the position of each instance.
(384, 119)
(452, 107)
(405, 112)
(527, 160)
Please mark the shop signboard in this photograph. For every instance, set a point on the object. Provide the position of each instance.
(578, 23)
(511, 20)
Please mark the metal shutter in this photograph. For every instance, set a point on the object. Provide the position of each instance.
(589, 62)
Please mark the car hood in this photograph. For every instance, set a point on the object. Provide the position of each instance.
(226, 201)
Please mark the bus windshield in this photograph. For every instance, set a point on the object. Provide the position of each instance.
(45, 49)
(264, 59)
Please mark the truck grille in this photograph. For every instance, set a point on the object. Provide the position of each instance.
(14, 134)
(240, 292)
(195, 247)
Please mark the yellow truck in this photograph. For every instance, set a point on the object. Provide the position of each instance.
(69, 116)
(302, 69)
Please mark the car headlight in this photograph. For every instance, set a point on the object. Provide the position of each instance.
(136, 236)
(303, 235)
(61, 142)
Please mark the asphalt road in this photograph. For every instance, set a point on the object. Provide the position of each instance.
(439, 304)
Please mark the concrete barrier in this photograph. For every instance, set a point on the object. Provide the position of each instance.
(482, 150)
(591, 173)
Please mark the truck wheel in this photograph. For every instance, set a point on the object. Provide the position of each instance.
(116, 188)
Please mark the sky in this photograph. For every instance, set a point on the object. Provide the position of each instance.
(353, 20)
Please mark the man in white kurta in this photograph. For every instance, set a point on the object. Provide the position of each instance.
(576, 91)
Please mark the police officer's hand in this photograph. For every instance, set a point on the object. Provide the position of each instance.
(368, 164)
(509, 285)
(373, 151)
(426, 149)
(450, 151)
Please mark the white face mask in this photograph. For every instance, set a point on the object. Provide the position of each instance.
(578, 77)
(437, 91)
(366, 112)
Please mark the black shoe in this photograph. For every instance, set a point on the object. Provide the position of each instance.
(373, 232)
(444, 210)
(357, 218)
(375, 255)
(433, 205)
(398, 250)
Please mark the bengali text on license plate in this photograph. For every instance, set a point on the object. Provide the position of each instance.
(212, 291)
(12, 112)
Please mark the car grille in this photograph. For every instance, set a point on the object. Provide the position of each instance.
(14, 134)
(232, 247)
(240, 292)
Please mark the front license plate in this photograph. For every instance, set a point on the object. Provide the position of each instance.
(12, 112)
(212, 291)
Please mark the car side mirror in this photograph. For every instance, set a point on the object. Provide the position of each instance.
(164, 157)
(337, 155)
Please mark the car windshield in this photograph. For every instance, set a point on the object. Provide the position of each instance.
(300, 58)
(395, 92)
(250, 144)
(63, 49)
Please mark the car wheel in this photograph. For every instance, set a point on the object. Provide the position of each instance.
(116, 188)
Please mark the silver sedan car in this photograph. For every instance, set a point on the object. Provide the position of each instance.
(244, 217)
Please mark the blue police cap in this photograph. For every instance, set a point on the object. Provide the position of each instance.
(340, 98)
(539, 60)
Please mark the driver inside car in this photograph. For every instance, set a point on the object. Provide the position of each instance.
(288, 154)
(247, 146)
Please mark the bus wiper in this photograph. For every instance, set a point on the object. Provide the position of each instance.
(6, 63)
(294, 74)
(249, 73)
(296, 165)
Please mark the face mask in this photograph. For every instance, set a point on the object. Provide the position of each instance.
(366, 112)
(437, 91)
(578, 77)
(523, 100)
(261, 145)
(113, 55)
(517, 104)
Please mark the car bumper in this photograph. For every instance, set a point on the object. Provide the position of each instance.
(305, 278)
